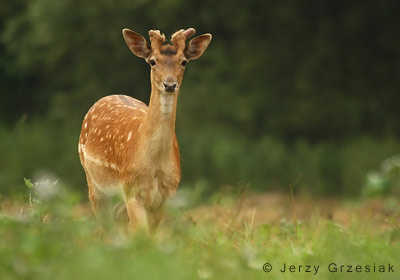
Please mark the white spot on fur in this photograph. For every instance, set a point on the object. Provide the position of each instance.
(114, 166)
(97, 161)
(85, 124)
(129, 136)
(101, 139)
(81, 148)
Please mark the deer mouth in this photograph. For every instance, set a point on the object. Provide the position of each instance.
(169, 92)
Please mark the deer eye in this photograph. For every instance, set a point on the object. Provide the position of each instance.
(152, 62)
(184, 63)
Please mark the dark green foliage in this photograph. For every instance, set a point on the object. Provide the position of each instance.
(299, 92)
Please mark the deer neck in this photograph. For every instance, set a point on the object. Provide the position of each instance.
(159, 126)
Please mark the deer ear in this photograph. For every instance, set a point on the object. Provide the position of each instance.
(136, 43)
(197, 46)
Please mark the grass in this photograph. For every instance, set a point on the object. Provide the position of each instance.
(229, 236)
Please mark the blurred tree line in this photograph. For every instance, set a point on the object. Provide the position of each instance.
(303, 92)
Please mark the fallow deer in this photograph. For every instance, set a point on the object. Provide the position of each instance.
(129, 149)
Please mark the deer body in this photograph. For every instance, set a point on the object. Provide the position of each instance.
(129, 149)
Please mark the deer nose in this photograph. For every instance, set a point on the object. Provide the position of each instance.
(170, 84)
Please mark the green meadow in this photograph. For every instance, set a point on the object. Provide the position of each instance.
(229, 235)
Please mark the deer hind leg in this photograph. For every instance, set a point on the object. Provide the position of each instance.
(154, 217)
(137, 214)
(120, 213)
(101, 205)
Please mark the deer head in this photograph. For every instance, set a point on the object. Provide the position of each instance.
(167, 60)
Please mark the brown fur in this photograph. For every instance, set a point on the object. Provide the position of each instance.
(130, 149)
